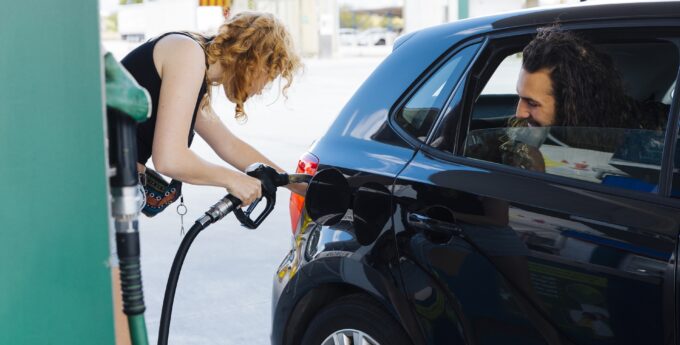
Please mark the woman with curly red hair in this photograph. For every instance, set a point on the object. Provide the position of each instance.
(178, 69)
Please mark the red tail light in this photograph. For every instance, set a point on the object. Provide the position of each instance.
(308, 164)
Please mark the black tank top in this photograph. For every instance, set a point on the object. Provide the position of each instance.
(139, 63)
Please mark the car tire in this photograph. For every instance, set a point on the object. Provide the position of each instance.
(354, 317)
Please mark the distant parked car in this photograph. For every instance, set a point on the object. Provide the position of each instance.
(376, 37)
(443, 245)
(347, 36)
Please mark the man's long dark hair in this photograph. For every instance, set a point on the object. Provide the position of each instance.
(587, 88)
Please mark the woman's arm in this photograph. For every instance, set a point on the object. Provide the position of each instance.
(232, 149)
(228, 146)
(180, 62)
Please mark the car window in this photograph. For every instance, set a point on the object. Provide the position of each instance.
(675, 191)
(617, 157)
(419, 113)
(626, 155)
(499, 96)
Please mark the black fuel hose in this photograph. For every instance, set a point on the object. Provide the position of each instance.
(216, 212)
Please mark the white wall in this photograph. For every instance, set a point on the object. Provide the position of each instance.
(313, 24)
(480, 8)
(420, 14)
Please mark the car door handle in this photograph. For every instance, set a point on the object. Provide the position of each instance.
(430, 224)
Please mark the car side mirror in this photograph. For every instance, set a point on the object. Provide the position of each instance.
(328, 197)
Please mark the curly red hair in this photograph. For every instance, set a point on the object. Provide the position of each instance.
(246, 45)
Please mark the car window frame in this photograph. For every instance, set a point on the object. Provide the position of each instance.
(424, 78)
(476, 81)
(671, 141)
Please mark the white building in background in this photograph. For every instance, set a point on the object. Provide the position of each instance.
(420, 14)
(140, 21)
(314, 24)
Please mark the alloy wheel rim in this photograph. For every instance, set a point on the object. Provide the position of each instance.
(349, 337)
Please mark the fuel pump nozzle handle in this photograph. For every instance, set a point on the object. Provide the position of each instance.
(271, 179)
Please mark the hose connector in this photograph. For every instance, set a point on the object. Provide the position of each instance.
(222, 208)
(125, 203)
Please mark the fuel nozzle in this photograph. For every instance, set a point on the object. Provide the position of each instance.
(265, 172)
(271, 179)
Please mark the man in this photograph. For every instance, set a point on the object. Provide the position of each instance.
(566, 81)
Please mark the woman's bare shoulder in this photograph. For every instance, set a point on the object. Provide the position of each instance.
(178, 50)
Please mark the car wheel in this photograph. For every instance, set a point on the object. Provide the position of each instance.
(354, 320)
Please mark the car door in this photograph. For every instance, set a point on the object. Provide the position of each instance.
(492, 254)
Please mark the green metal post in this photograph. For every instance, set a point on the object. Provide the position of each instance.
(463, 9)
(55, 282)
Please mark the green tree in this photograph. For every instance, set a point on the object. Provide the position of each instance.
(347, 19)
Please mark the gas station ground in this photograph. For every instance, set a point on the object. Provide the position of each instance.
(224, 292)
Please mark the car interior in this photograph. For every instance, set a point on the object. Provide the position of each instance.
(648, 70)
(632, 161)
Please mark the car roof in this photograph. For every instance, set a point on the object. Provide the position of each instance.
(588, 11)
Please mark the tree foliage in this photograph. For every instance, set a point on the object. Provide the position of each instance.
(364, 20)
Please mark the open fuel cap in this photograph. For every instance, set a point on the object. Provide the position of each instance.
(328, 197)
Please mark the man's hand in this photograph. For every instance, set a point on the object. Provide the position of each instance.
(524, 156)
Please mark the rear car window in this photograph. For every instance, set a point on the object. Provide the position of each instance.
(419, 113)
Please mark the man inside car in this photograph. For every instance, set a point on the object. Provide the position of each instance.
(567, 82)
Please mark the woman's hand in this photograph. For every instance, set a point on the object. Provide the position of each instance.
(245, 188)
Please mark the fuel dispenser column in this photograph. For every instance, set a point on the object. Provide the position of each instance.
(126, 104)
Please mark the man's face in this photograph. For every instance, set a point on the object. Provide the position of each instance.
(536, 101)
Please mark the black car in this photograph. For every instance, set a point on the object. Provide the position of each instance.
(442, 246)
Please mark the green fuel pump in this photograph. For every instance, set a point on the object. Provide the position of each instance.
(55, 274)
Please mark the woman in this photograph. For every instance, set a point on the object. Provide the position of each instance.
(249, 51)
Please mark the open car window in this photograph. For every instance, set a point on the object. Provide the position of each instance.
(626, 155)
(499, 96)
(616, 157)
